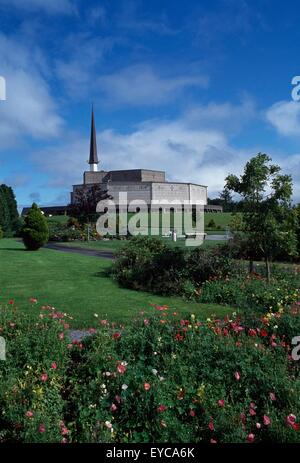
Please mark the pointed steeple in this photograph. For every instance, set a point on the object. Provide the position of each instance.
(93, 161)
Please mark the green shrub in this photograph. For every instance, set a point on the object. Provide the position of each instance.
(252, 293)
(160, 379)
(165, 380)
(212, 224)
(149, 264)
(32, 377)
(1, 233)
(35, 232)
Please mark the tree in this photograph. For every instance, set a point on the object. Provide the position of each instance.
(35, 231)
(4, 213)
(226, 199)
(269, 221)
(298, 226)
(85, 203)
(12, 206)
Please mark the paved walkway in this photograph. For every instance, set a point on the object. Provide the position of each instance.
(78, 250)
(107, 254)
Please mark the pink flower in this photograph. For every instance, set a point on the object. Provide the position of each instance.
(272, 396)
(252, 412)
(116, 335)
(147, 386)
(252, 332)
(33, 300)
(29, 414)
(258, 425)
(146, 321)
(237, 375)
(192, 413)
(211, 425)
(61, 335)
(42, 428)
(64, 431)
(11, 302)
(162, 408)
(108, 424)
(44, 377)
(221, 403)
(213, 441)
(291, 421)
(113, 408)
(250, 437)
(121, 368)
(53, 365)
(267, 420)
(118, 399)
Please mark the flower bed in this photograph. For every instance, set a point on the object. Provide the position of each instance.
(160, 379)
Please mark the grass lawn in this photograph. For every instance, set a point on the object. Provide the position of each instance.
(221, 219)
(113, 245)
(78, 285)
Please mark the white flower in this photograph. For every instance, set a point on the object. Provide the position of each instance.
(154, 371)
(103, 386)
(108, 424)
(154, 353)
(124, 387)
(96, 315)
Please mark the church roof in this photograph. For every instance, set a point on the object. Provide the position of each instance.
(93, 143)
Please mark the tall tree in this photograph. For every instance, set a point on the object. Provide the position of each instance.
(269, 221)
(85, 202)
(12, 205)
(4, 213)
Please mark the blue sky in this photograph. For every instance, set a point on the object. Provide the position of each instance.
(194, 88)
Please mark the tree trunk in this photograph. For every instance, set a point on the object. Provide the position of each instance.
(268, 270)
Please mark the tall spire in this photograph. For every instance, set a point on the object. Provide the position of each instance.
(93, 161)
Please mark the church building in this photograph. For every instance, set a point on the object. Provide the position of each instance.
(142, 185)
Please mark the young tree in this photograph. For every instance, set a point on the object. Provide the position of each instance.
(86, 200)
(35, 231)
(269, 221)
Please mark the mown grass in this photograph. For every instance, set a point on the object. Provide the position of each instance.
(78, 285)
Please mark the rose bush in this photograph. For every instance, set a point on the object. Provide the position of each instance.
(160, 379)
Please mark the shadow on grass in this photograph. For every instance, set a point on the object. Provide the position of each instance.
(13, 249)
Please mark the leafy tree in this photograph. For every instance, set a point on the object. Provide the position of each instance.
(12, 206)
(85, 203)
(269, 221)
(298, 226)
(35, 231)
(4, 213)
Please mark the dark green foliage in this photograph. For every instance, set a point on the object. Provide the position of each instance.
(149, 264)
(212, 224)
(35, 231)
(1, 233)
(9, 216)
(269, 221)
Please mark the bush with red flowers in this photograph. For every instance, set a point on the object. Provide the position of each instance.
(167, 380)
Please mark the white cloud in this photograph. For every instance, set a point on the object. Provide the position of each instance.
(29, 109)
(222, 116)
(187, 155)
(48, 6)
(140, 84)
(285, 117)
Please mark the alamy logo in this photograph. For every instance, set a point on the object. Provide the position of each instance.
(296, 350)
(2, 348)
(2, 89)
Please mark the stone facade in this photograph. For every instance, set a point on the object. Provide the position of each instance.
(145, 186)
